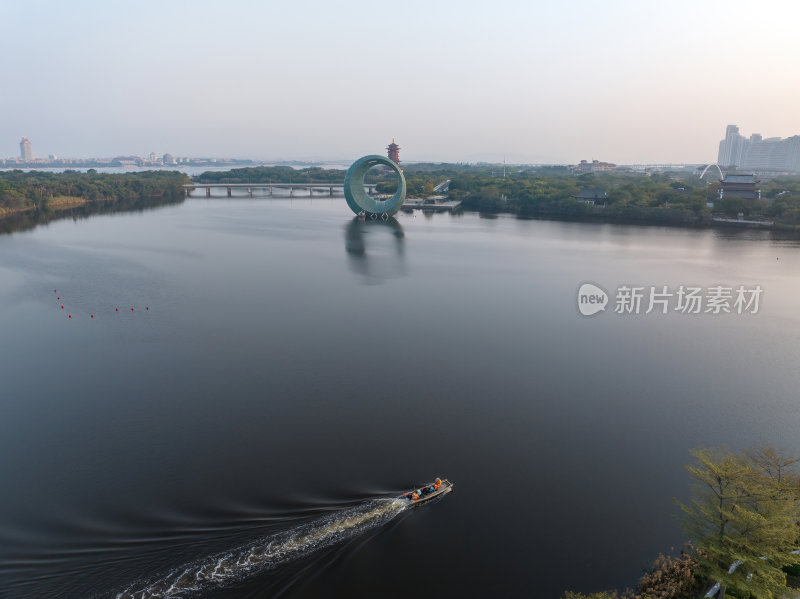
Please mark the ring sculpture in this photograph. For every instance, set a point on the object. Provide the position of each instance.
(357, 198)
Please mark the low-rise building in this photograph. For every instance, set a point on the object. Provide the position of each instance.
(593, 196)
(595, 166)
(739, 186)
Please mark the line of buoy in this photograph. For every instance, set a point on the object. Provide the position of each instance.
(116, 309)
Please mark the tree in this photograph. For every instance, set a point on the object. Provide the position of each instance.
(671, 578)
(777, 465)
(743, 516)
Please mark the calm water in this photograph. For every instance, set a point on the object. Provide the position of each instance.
(286, 371)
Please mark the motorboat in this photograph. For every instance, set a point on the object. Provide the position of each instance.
(429, 491)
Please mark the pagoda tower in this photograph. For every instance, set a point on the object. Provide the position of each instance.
(394, 152)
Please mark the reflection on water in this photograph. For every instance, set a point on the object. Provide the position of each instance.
(375, 248)
(24, 221)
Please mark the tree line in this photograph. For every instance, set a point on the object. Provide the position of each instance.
(30, 198)
(274, 174)
(674, 197)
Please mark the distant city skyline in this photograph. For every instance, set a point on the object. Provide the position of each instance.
(735, 150)
(623, 82)
(759, 153)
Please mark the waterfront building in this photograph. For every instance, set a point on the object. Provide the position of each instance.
(593, 196)
(393, 152)
(26, 150)
(739, 186)
(757, 153)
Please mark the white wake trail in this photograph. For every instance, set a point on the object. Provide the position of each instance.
(268, 552)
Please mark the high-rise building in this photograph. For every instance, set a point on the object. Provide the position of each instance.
(25, 150)
(394, 152)
(756, 153)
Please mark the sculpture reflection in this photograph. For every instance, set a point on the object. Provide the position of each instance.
(375, 249)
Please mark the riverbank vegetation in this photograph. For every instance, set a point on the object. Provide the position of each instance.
(35, 197)
(670, 198)
(272, 174)
(743, 520)
(675, 198)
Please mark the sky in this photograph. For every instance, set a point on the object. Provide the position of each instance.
(534, 82)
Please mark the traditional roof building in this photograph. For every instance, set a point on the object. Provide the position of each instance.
(739, 186)
(393, 152)
(592, 196)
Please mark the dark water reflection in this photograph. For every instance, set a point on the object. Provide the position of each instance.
(25, 221)
(277, 379)
(375, 248)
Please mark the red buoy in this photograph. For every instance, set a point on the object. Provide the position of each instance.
(62, 307)
(131, 309)
(70, 315)
(91, 315)
(147, 307)
(54, 290)
(59, 297)
(116, 309)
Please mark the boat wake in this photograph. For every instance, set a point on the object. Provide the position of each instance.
(226, 568)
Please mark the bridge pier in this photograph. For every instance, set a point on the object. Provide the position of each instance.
(208, 192)
(270, 191)
(250, 191)
(330, 189)
(291, 192)
(187, 191)
(229, 192)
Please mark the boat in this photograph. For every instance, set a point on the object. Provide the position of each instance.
(428, 492)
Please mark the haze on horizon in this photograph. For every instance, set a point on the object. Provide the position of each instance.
(625, 82)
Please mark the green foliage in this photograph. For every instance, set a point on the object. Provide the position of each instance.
(276, 174)
(550, 192)
(28, 197)
(745, 509)
(675, 198)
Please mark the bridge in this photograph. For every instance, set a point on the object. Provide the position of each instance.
(323, 188)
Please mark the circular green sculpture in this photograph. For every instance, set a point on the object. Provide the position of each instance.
(357, 198)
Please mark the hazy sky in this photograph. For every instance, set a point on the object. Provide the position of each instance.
(554, 81)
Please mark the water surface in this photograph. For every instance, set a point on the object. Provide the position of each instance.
(283, 364)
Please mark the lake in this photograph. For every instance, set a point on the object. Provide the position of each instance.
(237, 389)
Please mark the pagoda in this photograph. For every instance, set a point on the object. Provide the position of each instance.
(394, 152)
